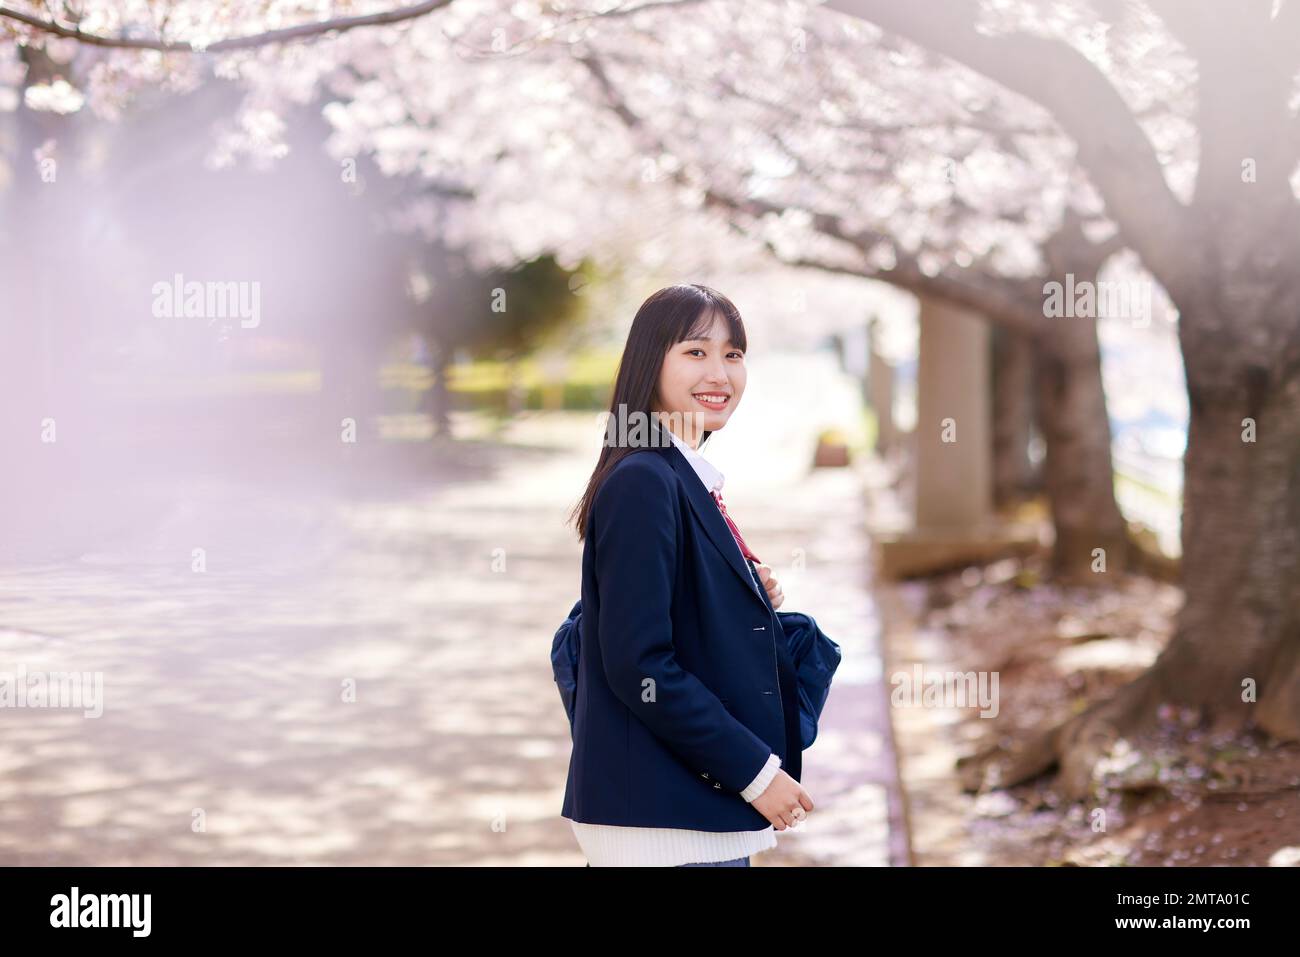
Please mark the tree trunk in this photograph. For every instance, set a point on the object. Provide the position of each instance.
(1078, 473)
(1241, 546)
(1013, 374)
(439, 396)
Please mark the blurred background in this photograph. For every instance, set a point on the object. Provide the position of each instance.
(309, 313)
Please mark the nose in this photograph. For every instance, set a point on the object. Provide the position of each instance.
(717, 374)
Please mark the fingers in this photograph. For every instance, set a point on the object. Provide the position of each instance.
(793, 814)
(774, 593)
(798, 813)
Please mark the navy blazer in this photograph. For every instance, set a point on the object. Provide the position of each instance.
(683, 690)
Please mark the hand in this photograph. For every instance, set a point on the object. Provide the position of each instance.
(784, 802)
(774, 593)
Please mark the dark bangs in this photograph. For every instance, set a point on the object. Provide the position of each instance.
(718, 305)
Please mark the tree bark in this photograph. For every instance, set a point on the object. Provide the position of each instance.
(1078, 473)
(1241, 547)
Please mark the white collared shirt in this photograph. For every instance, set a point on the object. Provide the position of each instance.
(705, 469)
(607, 845)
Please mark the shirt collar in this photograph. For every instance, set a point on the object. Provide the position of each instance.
(708, 474)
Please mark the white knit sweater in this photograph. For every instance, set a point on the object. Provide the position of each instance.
(607, 845)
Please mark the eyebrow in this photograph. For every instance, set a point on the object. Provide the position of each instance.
(728, 342)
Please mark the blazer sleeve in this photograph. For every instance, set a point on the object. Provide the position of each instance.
(636, 523)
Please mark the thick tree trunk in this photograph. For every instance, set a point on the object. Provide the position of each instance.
(1240, 623)
(1078, 473)
(1234, 658)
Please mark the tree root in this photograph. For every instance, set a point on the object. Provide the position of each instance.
(1279, 705)
(1076, 746)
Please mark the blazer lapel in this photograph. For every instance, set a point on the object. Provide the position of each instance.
(706, 510)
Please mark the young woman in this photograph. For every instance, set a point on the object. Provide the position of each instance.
(686, 747)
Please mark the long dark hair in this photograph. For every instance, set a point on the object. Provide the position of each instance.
(672, 315)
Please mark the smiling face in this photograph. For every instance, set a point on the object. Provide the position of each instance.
(700, 383)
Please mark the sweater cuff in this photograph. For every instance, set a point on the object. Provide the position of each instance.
(759, 784)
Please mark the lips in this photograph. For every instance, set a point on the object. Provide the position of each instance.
(712, 400)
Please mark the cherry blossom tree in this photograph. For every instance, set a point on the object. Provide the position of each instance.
(952, 168)
(1204, 192)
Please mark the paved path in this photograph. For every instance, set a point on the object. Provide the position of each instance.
(230, 733)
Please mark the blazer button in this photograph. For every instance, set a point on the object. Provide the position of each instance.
(717, 786)
(705, 775)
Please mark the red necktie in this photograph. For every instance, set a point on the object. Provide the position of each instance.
(744, 549)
